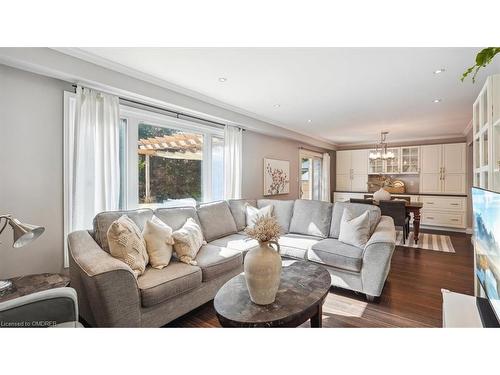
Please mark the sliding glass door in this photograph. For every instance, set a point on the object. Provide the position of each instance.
(310, 175)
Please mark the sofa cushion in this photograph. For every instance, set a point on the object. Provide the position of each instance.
(175, 217)
(237, 207)
(333, 253)
(157, 286)
(215, 261)
(236, 241)
(282, 211)
(216, 220)
(103, 220)
(356, 209)
(311, 217)
(296, 245)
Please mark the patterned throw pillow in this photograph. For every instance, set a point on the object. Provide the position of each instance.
(159, 241)
(188, 241)
(252, 213)
(127, 244)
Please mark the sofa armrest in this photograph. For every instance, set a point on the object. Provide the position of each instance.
(385, 232)
(377, 256)
(106, 286)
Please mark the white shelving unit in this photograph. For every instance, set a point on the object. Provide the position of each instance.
(486, 135)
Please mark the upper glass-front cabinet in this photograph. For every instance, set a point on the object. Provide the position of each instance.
(405, 161)
(375, 166)
(410, 160)
(392, 165)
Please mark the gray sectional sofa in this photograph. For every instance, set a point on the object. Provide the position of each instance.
(110, 296)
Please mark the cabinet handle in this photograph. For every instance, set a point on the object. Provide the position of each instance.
(430, 217)
(454, 219)
(454, 204)
(429, 202)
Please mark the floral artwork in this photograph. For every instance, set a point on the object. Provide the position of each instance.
(276, 177)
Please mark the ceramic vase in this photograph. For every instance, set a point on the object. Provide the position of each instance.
(382, 195)
(262, 268)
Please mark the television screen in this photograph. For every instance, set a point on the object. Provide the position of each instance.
(486, 206)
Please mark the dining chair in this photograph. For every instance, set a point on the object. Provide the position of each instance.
(397, 210)
(358, 200)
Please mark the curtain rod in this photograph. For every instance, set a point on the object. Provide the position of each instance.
(174, 113)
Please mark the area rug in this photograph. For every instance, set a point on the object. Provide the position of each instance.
(426, 241)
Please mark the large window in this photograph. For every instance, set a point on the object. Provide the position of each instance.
(170, 164)
(171, 159)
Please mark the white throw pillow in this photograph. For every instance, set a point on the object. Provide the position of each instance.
(354, 231)
(188, 241)
(159, 242)
(253, 213)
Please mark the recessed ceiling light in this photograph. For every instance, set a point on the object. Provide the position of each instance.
(277, 106)
(222, 79)
(309, 121)
(437, 100)
(439, 71)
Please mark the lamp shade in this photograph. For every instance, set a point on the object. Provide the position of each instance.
(24, 233)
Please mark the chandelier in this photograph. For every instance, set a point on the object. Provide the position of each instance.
(381, 152)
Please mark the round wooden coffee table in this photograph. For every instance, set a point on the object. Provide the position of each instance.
(303, 289)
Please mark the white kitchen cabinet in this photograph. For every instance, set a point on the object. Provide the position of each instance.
(430, 168)
(344, 162)
(405, 161)
(443, 169)
(375, 166)
(444, 211)
(392, 166)
(352, 170)
(410, 160)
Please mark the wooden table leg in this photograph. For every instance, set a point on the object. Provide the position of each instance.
(416, 224)
(317, 319)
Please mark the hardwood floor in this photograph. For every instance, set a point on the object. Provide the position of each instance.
(411, 296)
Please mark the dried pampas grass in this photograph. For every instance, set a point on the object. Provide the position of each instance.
(266, 228)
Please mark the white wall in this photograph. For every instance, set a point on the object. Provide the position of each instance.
(31, 165)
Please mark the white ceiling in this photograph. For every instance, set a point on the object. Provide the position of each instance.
(349, 94)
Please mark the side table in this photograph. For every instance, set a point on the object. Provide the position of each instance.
(24, 285)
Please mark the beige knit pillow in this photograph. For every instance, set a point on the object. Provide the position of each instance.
(159, 241)
(188, 241)
(127, 244)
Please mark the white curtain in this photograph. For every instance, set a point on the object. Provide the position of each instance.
(325, 178)
(232, 162)
(94, 157)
